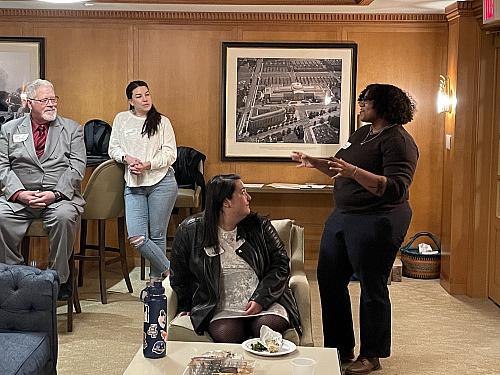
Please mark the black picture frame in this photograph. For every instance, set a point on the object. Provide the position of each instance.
(22, 60)
(284, 97)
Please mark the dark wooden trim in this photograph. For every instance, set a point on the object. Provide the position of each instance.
(243, 2)
(210, 17)
(460, 9)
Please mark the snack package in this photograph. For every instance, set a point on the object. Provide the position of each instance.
(217, 362)
(270, 339)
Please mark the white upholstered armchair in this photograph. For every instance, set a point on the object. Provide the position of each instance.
(292, 235)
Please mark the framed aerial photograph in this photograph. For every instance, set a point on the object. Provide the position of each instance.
(284, 97)
(21, 61)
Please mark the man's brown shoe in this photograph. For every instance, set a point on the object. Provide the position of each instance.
(363, 365)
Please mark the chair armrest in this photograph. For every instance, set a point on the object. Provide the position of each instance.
(301, 291)
(171, 300)
(299, 284)
(197, 196)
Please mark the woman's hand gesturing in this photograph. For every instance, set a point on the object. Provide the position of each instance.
(304, 159)
(342, 168)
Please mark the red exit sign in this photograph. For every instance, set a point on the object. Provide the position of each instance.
(491, 10)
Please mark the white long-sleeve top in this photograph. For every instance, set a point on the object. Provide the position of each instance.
(160, 150)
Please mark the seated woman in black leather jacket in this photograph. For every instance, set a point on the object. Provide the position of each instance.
(229, 268)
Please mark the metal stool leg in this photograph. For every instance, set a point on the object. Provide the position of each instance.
(25, 249)
(123, 252)
(102, 260)
(74, 291)
(143, 268)
(83, 248)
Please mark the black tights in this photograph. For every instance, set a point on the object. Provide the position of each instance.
(237, 330)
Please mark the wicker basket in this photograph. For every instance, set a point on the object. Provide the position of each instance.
(421, 266)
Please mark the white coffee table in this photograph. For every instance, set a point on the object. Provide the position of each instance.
(179, 353)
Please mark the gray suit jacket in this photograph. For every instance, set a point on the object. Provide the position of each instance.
(61, 167)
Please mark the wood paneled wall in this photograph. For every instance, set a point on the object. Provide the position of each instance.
(469, 219)
(459, 161)
(90, 61)
(490, 78)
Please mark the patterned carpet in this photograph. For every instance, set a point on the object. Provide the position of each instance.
(433, 333)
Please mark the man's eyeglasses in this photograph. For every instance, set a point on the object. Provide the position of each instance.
(46, 101)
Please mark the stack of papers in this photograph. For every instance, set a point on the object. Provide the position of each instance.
(312, 186)
(283, 185)
(278, 185)
(257, 186)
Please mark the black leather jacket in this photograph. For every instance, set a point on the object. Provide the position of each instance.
(194, 275)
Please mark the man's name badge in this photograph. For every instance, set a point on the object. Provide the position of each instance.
(346, 145)
(20, 137)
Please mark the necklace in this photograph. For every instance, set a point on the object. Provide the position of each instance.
(228, 235)
(371, 132)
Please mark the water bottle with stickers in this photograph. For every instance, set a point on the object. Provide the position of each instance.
(155, 320)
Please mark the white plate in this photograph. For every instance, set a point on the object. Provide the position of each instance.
(286, 347)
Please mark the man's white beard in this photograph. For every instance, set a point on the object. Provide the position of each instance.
(49, 116)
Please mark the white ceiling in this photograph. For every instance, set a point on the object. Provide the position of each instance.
(377, 6)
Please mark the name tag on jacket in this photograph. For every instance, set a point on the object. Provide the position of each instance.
(210, 251)
(20, 137)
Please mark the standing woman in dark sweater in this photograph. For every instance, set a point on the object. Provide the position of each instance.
(372, 172)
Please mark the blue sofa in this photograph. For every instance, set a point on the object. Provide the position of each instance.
(28, 321)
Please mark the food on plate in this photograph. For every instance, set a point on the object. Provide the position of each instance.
(270, 346)
(258, 347)
(273, 346)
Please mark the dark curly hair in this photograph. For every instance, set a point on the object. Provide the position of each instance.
(390, 102)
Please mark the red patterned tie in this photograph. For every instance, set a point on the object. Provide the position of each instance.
(39, 138)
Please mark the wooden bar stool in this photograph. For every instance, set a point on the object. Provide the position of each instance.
(36, 230)
(104, 200)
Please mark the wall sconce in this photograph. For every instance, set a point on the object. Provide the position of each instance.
(446, 102)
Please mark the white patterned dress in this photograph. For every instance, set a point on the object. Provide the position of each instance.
(238, 281)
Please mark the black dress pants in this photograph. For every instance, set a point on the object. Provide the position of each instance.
(365, 244)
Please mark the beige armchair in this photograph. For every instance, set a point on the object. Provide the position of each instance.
(292, 235)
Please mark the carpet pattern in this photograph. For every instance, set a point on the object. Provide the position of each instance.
(433, 333)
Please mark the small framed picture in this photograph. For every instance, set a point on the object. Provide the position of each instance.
(21, 61)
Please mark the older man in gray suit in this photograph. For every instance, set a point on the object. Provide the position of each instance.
(42, 163)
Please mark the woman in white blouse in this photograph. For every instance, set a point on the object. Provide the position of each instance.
(143, 139)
